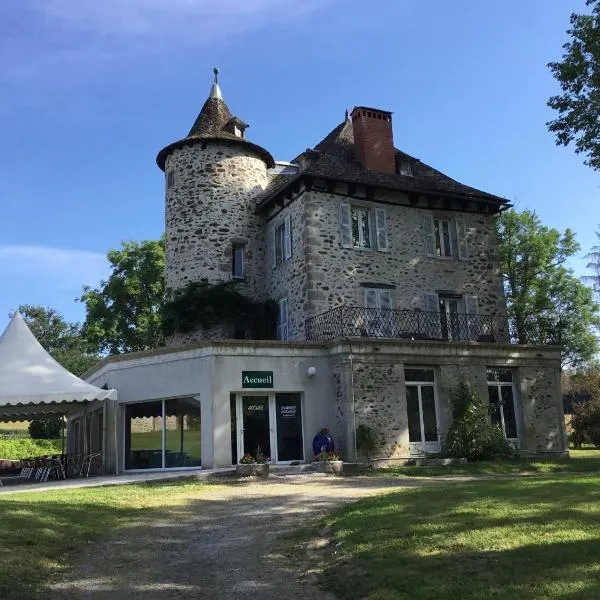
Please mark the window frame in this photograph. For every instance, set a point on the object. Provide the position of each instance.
(439, 238)
(424, 446)
(235, 249)
(283, 325)
(510, 385)
(361, 210)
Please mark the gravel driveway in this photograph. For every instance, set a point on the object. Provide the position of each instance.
(220, 546)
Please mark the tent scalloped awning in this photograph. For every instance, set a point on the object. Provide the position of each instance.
(31, 380)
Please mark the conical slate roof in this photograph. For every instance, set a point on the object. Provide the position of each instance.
(215, 122)
(29, 376)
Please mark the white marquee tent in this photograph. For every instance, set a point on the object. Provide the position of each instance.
(32, 382)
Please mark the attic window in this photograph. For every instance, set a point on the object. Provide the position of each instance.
(405, 168)
(237, 131)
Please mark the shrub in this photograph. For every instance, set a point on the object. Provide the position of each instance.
(366, 439)
(472, 434)
(585, 423)
(46, 427)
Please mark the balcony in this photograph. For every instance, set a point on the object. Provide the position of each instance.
(354, 321)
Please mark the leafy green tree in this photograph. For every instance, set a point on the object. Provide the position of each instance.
(594, 265)
(124, 313)
(61, 339)
(579, 77)
(544, 299)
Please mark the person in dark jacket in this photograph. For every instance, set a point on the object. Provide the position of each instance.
(322, 442)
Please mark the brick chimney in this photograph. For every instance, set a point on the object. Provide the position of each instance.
(373, 139)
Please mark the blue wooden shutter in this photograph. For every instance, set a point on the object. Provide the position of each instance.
(381, 229)
(345, 225)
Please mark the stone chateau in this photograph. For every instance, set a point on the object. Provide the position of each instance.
(386, 275)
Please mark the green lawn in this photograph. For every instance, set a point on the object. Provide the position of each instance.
(42, 533)
(526, 538)
(579, 461)
(152, 440)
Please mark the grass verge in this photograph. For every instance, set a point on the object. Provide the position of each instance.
(528, 538)
(579, 461)
(41, 533)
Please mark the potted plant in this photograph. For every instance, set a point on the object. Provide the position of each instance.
(328, 462)
(253, 466)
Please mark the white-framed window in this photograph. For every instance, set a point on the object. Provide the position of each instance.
(405, 168)
(363, 227)
(280, 241)
(238, 261)
(456, 317)
(445, 238)
(378, 298)
(283, 326)
(502, 401)
(421, 409)
(376, 321)
(170, 179)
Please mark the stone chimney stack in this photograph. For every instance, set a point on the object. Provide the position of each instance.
(373, 139)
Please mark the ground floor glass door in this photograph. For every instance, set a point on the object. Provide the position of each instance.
(269, 424)
(421, 409)
(256, 426)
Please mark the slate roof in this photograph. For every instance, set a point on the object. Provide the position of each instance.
(212, 124)
(334, 157)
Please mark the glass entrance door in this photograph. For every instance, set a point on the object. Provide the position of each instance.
(256, 426)
(289, 427)
(270, 424)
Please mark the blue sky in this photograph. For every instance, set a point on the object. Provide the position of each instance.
(91, 91)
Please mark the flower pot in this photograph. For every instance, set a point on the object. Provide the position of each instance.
(252, 470)
(334, 467)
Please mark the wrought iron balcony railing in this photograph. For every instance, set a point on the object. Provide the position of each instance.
(354, 321)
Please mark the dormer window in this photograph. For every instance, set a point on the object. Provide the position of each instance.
(405, 168)
(238, 132)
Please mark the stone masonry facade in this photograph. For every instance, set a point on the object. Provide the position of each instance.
(372, 385)
(322, 274)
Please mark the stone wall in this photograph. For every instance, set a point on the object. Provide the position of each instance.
(335, 274)
(544, 426)
(289, 278)
(210, 207)
(375, 388)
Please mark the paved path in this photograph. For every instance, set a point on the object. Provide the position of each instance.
(222, 545)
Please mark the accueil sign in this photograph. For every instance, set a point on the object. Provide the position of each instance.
(257, 379)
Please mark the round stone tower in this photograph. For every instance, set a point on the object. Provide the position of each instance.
(213, 235)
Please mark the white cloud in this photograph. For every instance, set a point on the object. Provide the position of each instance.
(45, 265)
(197, 20)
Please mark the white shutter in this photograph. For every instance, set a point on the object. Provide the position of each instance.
(381, 229)
(432, 324)
(428, 234)
(472, 305)
(431, 302)
(370, 298)
(345, 225)
(385, 299)
(287, 237)
(473, 324)
(283, 319)
(461, 239)
(271, 245)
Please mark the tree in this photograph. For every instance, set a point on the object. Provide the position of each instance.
(544, 299)
(579, 76)
(125, 313)
(594, 265)
(61, 339)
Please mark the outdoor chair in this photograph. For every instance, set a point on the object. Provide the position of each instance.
(95, 460)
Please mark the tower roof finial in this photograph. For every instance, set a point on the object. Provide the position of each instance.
(215, 90)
